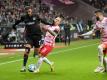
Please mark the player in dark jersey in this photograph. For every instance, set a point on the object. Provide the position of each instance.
(32, 33)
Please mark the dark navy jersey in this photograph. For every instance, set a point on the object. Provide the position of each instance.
(67, 28)
(32, 24)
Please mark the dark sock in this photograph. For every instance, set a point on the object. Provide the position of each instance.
(35, 54)
(27, 50)
(25, 59)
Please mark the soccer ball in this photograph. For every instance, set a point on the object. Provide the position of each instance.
(31, 67)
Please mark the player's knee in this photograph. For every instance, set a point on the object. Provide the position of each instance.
(27, 50)
(105, 59)
(25, 55)
(99, 54)
(39, 55)
(100, 47)
(100, 50)
(28, 45)
(40, 60)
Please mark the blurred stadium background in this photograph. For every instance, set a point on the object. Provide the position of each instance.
(79, 14)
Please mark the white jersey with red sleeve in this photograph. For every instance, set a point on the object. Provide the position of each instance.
(49, 38)
(102, 26)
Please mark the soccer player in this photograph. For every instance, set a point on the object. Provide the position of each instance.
(49, 42)
(32, 33)
(101, 25)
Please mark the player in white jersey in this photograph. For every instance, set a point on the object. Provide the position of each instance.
(101, 25)
(49, 42)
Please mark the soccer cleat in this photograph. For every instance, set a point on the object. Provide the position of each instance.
(52, 67)
(105, 70)
(102, 71)
(99, 69)
(36, 71)
(23, 69)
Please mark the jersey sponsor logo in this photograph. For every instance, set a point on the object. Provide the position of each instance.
(30, 23)
(34, 18)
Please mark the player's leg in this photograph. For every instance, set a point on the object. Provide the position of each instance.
(27, 51)
(40, 61)
(36, 43)
(25, 57)
(101, 58)
(51, 64)
(38, 65)
(43, 52)
(104, 55)
(104, 62)
(100, 55)
(36, 52)
(105, 59)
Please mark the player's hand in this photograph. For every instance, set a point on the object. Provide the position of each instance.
(80, 35)
(13, 30)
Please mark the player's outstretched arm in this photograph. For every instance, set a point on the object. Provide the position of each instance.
(17, 22)
(87, 33)
(44, 21)
(54, 33)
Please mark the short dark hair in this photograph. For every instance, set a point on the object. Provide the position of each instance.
(98, 11)
(28, 7)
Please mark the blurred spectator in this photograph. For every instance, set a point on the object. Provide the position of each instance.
(67, 32)
(101, 4)
(67, 2)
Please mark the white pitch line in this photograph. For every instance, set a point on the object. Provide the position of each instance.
(73, 48)
(4, 53)
(12, 61)
(51, 53)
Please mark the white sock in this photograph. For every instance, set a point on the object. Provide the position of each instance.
(100, 60)
(105, 59)
(100, 55)
(47, 61)
(39, 63)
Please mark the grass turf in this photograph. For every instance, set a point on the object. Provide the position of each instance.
(74, 62)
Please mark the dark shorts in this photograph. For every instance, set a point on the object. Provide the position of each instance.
(105, 51)
(33, 41)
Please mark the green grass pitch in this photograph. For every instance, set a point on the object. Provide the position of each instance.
(74, 62)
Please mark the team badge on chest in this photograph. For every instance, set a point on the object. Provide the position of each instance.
(34, 18)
